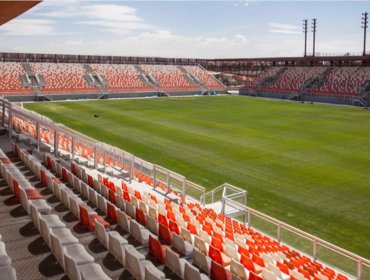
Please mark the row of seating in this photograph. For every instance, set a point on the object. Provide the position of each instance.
(6, 269)
(10, 82)
(71, 255)
(209, 81)
(169, 77)
(234, 246)
(337, 81)
(72, 78)
(62, 77)
(118, 246)
(344, 81)
(120, 77)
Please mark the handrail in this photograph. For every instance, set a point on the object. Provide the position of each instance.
(304, 234)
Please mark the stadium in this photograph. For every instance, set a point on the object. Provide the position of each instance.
(166, 167)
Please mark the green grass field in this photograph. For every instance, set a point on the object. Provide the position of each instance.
(307, 165)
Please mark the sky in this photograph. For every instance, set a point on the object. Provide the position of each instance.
(191, 29)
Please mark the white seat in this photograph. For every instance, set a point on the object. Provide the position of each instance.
(152, 225)
(153, 273)
(130, 209)
(123, 220)
(77, 184)
(65, 194)
(74, 203)
(120, 202)
(75, 267)
(104, 191)
(41, 206)
(186, 235)
(48, 222)
(102, 203)
(277, 272)
(92, 271)
(93, 198)
(138, 232)
(175, 263)
(201, 245)
(297, 275)
(101, 234)
(201, 261)
(182, 246)
(268, 275)
(59, 238)
(192, 273)
(135, 262)
(239, 270)
(85, 190)
(117, 246)
(232, 252)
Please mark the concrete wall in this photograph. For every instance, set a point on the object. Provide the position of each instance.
(314, 98)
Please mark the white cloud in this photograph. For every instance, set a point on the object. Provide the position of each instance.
(282, 28)
(29, 27)
(114, 18)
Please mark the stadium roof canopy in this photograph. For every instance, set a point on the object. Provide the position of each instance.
(11, 9)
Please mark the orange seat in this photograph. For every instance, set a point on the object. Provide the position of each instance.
(64, 175)
(16, 188)
(258, 260)
(171, 216)
(156, 249)
(218, 256)
(124, 187)
(43, 178)
(164, 234)
(248, 264)
(126, 196)
(218, 272)
(217, 243)
(192, 228)
(162, 220)
(48, 162)
(112, 196)
(243, 251)
(283, 268)
(89, 220)
(111, 211)
(174, 227)
(140, 217)
(138, 195)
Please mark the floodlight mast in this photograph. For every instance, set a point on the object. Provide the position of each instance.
(305, 36)
(314, 36)
(364, 26)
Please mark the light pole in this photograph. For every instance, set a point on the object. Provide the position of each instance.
(305, 36)
(314, 36)
(364, 26)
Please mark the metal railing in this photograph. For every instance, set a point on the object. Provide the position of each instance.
(311, 245)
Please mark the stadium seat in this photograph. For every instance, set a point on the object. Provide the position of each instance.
(156, 249)
(219, 272)
(138, 232)
(117, 246)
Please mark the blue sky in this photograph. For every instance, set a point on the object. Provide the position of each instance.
(203, 29)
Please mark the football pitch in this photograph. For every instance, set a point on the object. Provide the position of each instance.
(305, 164)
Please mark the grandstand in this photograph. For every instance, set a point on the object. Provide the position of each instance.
(106, 214)
(57, 81)
(76, 208)
(331, 84)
